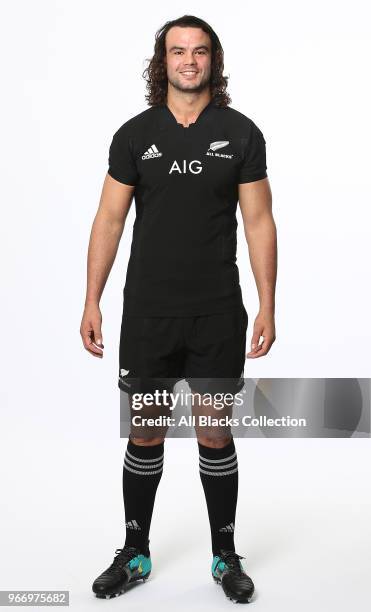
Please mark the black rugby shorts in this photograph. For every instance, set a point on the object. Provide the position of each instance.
(207, 351)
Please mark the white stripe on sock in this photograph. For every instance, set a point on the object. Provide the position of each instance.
(219, 473)
(218, 460)
(145, 466)
(144, 460)
(218, 467)
(143, 473)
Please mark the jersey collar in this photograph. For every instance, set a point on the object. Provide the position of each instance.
(167, 119)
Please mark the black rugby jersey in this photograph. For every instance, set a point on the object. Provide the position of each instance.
(183, 252)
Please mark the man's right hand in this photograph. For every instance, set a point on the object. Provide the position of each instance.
(91, 330)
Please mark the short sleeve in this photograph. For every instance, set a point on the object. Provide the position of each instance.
(121, 164)
(254, 165)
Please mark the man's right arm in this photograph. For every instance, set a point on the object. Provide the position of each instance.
(104, 240)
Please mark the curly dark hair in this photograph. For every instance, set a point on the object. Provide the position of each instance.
(156, 75)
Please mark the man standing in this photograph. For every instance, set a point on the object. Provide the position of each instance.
(188, 160)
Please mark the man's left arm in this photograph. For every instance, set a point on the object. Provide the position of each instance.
(255, 199)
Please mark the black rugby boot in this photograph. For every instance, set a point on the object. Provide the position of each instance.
(129, 565)
(227, 570)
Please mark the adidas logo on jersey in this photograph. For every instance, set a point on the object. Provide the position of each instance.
(228, 528)
(133, 525)
(151, 152)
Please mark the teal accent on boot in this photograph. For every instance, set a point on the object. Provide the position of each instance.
(142, 564)
(217, 566)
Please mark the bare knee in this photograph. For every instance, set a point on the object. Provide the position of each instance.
(146, 441)
(214, 442)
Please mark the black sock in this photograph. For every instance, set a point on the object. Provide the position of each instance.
(142, 472)
(219, 477)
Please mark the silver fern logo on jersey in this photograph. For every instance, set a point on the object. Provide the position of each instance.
(218, 144)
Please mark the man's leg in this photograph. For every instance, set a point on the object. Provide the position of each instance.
(214, 367)
(215, 360)
(219, 476)
(150, 359)
(218, 468)
(142, 471)
(149, 363)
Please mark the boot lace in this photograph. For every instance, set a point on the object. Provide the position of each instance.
(123, 555)
(231, 559)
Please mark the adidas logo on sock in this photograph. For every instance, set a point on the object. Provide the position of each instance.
(228, 528)
(133, 525)
(151, 152)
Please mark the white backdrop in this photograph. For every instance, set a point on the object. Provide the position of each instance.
(71, 75)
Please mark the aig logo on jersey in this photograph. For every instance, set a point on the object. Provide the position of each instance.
(218, 144)
(193, 166)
